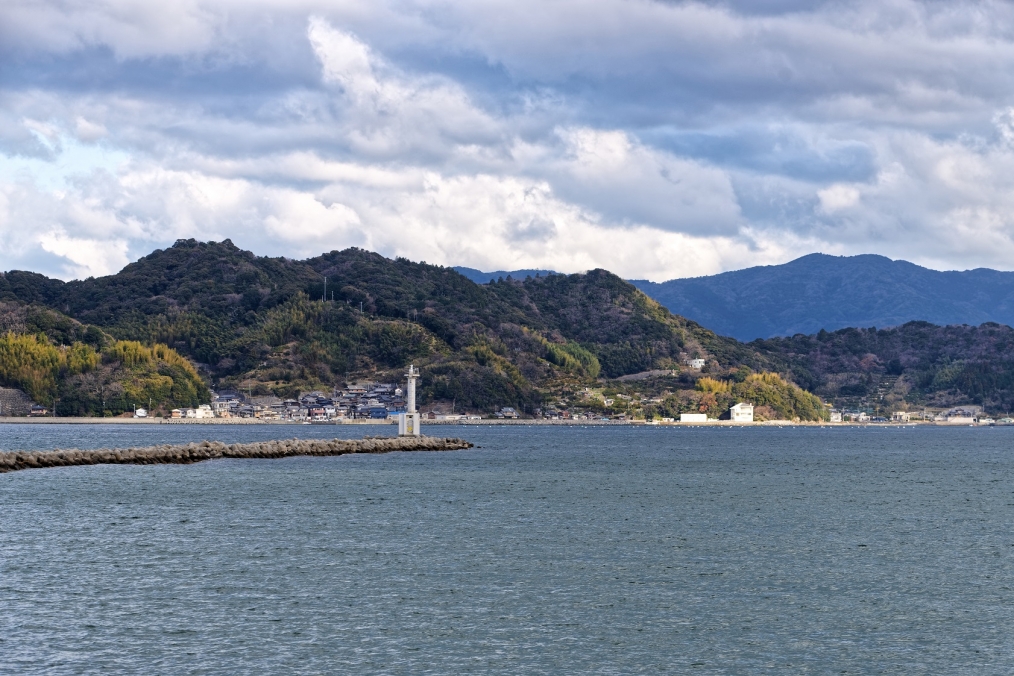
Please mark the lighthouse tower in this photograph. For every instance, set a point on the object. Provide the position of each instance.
(408, 422)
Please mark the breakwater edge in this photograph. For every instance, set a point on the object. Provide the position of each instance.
(181, 454)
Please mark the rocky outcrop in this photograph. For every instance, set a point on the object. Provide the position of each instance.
(207, 450)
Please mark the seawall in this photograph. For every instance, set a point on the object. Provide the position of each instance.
(12, 461)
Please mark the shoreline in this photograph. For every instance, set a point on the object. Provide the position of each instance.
(471, 423)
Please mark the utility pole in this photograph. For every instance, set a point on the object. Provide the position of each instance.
(325, 290)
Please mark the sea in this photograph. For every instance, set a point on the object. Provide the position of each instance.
(543, 550)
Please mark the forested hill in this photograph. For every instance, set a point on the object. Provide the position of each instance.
(279, 326)
(262, 324)
(916, 364)
(831, 292)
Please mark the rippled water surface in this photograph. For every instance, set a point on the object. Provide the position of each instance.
(547, 550)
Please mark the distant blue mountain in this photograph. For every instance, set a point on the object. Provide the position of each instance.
(480, 277)
(832, 292)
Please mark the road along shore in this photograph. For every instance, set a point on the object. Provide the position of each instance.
(12, 461)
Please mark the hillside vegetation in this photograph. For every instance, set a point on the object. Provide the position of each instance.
(273, 325)
(83, 371)
(210, 314)
(910, 366)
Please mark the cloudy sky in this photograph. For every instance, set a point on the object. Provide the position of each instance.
(656, 139)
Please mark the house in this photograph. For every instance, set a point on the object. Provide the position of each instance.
(176, 414)
(901, 416)
(693, 417)
(741, 412)
(140, 413)
(39, 411)
(836, 415)
(507, 412)
(696, 364)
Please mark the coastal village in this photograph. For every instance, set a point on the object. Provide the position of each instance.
(382, 402)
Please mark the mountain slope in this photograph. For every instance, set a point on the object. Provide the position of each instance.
(828, 292)
(916, 364)
(79, 369)
(281, 326)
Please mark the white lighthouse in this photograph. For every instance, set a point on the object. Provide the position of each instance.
(408, 422)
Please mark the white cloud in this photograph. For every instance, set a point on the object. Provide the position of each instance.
(654, 139)
(837, 197)
(632, 184)
(88, 131)
(87, 257)
(388, 114)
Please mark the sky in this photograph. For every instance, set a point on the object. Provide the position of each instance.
(656, 139)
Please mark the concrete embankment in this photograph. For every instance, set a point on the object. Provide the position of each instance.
(12, 461)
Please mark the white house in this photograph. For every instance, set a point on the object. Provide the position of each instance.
(693, 417)
(741, 412)
(696, 364)
(202, 411)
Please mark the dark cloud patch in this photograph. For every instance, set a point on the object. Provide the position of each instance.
(780, 152)
(760, 7)
(98, 71)
(536, 229)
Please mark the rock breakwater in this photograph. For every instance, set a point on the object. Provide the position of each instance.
(12, 461)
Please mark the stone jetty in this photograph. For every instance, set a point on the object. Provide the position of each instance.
(12, 461)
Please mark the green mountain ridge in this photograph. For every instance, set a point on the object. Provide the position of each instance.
(279, 326)
(905, 367)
